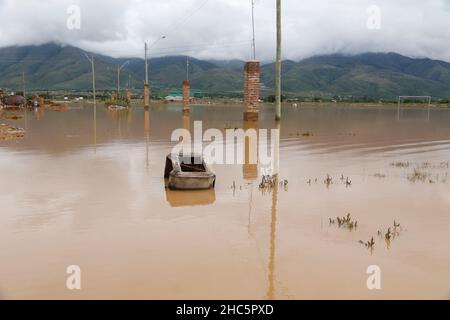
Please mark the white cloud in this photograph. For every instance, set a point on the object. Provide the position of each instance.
(222, 28)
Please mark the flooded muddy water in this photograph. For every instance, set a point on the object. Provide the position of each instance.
(79, 190)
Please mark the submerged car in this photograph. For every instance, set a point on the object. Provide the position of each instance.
(188, 172)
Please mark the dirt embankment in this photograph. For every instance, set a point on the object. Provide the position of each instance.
(8, 132)
(55, 107)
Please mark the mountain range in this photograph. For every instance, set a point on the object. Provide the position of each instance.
(376, 75)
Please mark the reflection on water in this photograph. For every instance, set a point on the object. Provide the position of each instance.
(109, 212)
(95, 127)
(273, 220)
(186, 123)
(273, 227)
(181, 198)
(147, 133)
(250, 168)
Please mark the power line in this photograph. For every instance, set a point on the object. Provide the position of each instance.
(178, 24)
(187, 17)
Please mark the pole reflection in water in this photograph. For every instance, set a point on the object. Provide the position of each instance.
(25, 118)
(186, 121)
(251, 149)
(147, 132)
(276, 151)
(186, 124)
(273, 226)
(250, 169)
(273, 222)
(95, 127)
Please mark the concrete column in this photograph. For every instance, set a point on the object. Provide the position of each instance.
(186, 95)
(251, 90)
(146, 95)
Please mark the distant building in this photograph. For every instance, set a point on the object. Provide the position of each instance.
(177, 95)
(174, 97)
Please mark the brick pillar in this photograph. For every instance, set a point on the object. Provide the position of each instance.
(186, 95)
(146, 95)
(251, 90)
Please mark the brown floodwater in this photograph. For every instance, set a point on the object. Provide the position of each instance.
(79, 190)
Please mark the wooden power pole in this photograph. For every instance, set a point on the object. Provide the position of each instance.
(23, 91)
(91, 60)
(278, 66)
(253, 30)
(146, 65)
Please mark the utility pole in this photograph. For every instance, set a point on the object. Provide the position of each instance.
(91, 60)
(146, 83)
(23, 89)
(119, 68)
(278, 65)
(146, 65)
(146, 50)
(253, 30)
(118, 81)
(186, 90)
(187, 68)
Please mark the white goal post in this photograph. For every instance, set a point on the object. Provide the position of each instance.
(402, 98)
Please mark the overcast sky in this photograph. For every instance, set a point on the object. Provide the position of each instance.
(221, 29)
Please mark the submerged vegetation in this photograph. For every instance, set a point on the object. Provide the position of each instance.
(330, 181)
(268, 182)
(400, 164)
(379, 175)
(388, 234)
(344, 222)
(418, 175)
(117, 101)
(423, 171)
(391, 233)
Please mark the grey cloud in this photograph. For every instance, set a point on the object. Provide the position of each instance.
(221, 29)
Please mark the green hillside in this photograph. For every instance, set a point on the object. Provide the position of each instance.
(374, 75)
